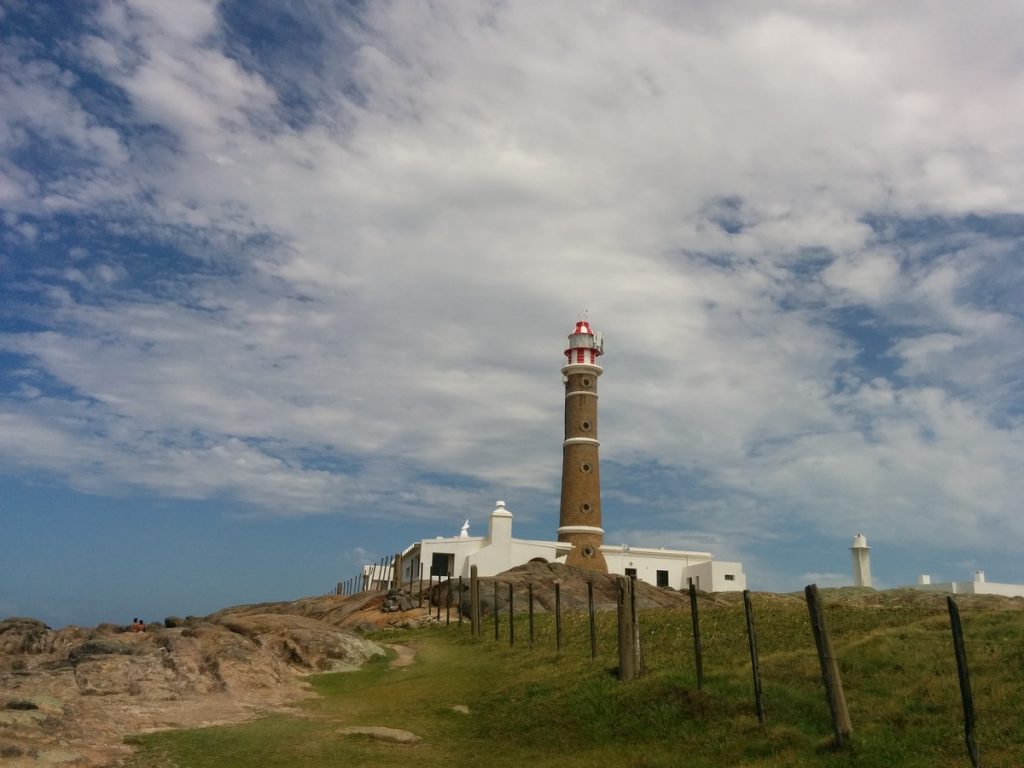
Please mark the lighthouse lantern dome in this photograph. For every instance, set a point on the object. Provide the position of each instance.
(583, 338)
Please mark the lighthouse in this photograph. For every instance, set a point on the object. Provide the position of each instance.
(579, 521)
(861, 561)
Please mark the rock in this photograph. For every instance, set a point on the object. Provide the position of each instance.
(21, 704)
(125, 674)
(381, 733)
(101, 647)
(93, 687)
(572, 587)
(397, 599)
(173, 621)
(302, 642)
(21, 635)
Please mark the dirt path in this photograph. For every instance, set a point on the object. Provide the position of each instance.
(406, 656)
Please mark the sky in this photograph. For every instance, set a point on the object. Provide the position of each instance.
(285, 285)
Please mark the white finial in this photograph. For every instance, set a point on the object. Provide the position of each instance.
(464, 533)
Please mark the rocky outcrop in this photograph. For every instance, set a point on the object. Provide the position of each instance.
(71, 696)
(362, 611)
(573, 590)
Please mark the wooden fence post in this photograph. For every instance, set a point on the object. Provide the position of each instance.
(474, 603)
(529, 591)
(639, 664)
(593, 629)
(496, 619)
(965, 679)
(447, 600)
(460, 602)
(627, 655)
(511, 617)
(698, 652)
(829, 668)
(558, 615)
(755, 665)
(438, 604)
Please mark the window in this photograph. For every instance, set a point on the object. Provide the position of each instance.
(631, 572)
(662, 578)
(730, 577)
(441, 563)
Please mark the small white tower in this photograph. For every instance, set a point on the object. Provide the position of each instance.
(861, 561)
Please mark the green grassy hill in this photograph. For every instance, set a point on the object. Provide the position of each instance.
(538, 707)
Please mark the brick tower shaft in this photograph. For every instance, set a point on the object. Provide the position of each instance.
(579, 521)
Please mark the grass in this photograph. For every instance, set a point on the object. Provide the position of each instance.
(540, 708)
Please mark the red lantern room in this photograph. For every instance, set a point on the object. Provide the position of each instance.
(585, 346)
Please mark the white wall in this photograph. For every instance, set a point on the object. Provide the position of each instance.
(490, 558)
(714, 576)
(973, 588)
(498, 552)
(500, 556)
(709, 575)
(646, 564)
(460, 548)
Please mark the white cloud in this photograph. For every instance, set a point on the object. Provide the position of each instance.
(869, 277)
(701, 178)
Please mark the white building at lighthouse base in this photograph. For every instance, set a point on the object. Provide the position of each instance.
(499, 551)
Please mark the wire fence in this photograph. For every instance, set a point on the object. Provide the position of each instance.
(762, 639)
(525, 615)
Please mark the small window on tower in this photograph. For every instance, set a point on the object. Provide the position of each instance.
(585, 426)
(585, 467)
(586, 382)
(585, 507)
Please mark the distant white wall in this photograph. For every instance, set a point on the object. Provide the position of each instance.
(992, 588)
(676, 568)
(973, 588)
(645, 564)
(717, 576)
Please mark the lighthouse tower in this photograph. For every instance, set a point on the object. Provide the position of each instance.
(579, 521)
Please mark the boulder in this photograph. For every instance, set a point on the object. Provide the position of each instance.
(21, 635)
